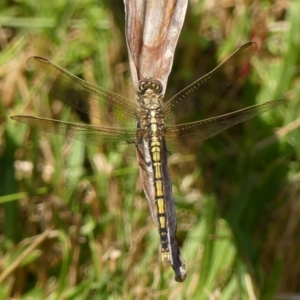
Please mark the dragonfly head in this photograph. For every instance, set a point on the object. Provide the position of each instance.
(149, 85)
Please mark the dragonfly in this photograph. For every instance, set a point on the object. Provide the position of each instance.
(148, 128)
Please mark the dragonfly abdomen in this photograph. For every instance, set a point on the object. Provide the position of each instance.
(155, 153)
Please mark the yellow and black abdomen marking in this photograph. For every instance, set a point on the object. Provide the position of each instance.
(155, 150)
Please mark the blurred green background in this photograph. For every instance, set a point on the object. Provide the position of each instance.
(74, 222)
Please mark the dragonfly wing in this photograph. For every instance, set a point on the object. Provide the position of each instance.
(86, 97)
(114, 139)
(212, 86)
(180, 137)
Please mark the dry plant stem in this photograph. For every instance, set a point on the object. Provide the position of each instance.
(152, 32)
(278, 134)
(40, 239)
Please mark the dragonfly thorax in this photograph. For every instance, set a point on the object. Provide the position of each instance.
(150, 113)
(149, 96)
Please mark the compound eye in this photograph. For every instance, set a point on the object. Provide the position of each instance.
(158, 87)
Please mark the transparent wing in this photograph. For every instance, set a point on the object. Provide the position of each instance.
(86, 97)
(180, 137)
(115, 139)
(213, 85)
